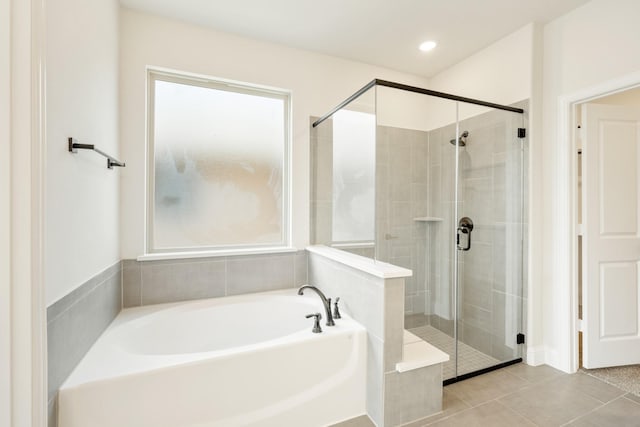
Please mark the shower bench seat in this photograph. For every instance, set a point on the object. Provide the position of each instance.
(417, 353)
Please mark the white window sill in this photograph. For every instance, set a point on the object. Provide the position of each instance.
(209, 254)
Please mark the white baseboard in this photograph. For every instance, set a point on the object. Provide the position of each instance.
(536, 356)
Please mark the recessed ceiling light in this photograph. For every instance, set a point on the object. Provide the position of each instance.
(427, 46)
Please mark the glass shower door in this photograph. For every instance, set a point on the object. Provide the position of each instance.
(489, 237)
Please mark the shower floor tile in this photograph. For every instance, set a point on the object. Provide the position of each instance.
(469, 358)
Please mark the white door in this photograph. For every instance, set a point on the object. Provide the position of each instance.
(611, 226)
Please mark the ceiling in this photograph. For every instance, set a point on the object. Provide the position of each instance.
(380, 32)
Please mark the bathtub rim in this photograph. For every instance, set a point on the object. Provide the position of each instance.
(103, 351)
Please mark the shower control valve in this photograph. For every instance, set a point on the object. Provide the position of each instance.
(465, 227)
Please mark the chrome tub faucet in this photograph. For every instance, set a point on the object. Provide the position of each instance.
(325, 301)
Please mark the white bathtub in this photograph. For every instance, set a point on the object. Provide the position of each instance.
(249, 360)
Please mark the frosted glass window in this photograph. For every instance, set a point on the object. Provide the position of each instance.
(354, 144)
(219, 169)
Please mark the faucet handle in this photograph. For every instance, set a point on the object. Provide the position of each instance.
(316, 324)
(336, 312)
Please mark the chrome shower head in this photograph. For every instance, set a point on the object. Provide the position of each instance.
(462, 140)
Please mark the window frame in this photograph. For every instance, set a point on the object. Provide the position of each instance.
(155, 74)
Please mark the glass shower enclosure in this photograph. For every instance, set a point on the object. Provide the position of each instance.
(435, 183)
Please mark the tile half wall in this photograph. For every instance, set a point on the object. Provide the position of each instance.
(75, 322)
(156, 282)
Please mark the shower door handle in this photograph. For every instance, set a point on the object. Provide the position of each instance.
(465, 226)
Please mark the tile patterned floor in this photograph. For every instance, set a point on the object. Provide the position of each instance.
(469, 358)
(522, 395)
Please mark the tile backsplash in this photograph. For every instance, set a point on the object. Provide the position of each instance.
(75, 322)
(155, 282)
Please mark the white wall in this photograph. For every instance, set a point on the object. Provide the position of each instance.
(82, 195)
(500, 73)
(318, 83)
(593, 44)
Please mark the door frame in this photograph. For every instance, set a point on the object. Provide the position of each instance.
(27, 364)
(5, 209)
(564, 218)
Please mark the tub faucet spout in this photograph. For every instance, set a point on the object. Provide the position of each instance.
(325, 301)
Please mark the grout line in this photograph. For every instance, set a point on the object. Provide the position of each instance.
(585, 414)
(632, 400)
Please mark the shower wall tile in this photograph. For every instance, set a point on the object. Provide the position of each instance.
(419, 199)
(321, 180)
(478, 198)
(401, 251)
(504, 321)
(323, 164)
(401, 216)
(476, 316)
(498, 259)
(444, 325)
(400, 189)
(478, 267)
(155, 282)
(322, 220)
(434, 142)
(416, 320)
(478, 338)
(419, 302)
(499, 188)
(402, 162)
(420, 157)
(477, 294)
(434, 193)
(484, 233)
